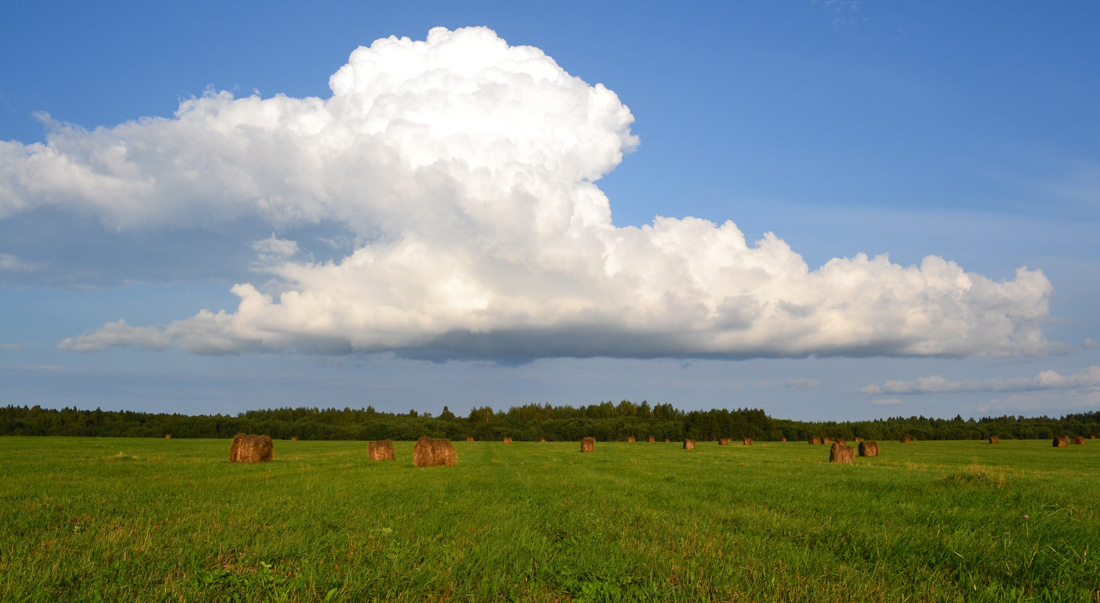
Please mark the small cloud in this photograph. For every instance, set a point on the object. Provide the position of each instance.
(886, 402)
(11, 347)
(273, 249)
(803, 383)
(115, 334)
(1090, 344)
(10, 263)
(937, 384)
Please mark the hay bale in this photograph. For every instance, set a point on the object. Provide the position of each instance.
(908, 439)
(842, 441)
(293, 438)
(858, 439)
(826, 441)
(782, 439)
(1060, 442)
(1078, 440)
(723, 441)
(431, 451)
(629, 439)
(469, 438)
(994, 440)
(168, 436)
(747, 442)
(651, 439)
(689, 444)
(868, 448)
(381, 450)
(1092, 437)
(814, 441)
(542, 440)
(842, 453)
(507, 440)
(588, 444)
(251, 448)
(667, 440)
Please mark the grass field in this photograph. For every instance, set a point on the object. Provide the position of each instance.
(170, 520)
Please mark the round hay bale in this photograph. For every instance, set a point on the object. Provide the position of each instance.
(1060, 441)
(826, 441)
(469, 438)
(994, 440)
(842, 453)
(293, 438)
(667, 440)
(842, 441)
(723, 441)
(651, 439)
(507, 440)
(629, 439)
(782, 439)
(168, 436)
(1092, 437)
(542, 440)
(814, 441)
(431, 451)
(908, 439)
(1078, 440)
(251, 448)
(689, 444)
(859, 439)
(381, 450)
(588, 444)
(868, 448)
(747, 442)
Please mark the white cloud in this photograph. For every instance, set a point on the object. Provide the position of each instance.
(114, 334)
(465, 170)
(1045, 380)
(886, 402)
(10, 263)
(803, 383)
(11, 347)
(1042, 402)
(1090, 344)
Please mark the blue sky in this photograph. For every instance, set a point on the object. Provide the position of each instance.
(965, 133)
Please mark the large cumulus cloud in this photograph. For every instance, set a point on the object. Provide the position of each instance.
(465, 170)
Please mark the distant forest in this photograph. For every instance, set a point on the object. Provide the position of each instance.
(606, 422)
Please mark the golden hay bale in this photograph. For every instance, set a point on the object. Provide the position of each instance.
(667, 440)
(431, 451)
(868, 448)
(507, 440)
(542, 440)
(747, 442)
(723, 441)
(814, 441)
(994, 440)
(251, 448)
(908, 439)
(1078, 440)
(588, 444)
(826, 441)
(689, 444)
(293, 438)
(469, 438)
(168, 436)
(1092, 437)
(842, 453)
(381, 450)
(629, 439)
(782, 439)
(1061, 441)
(859, 439)
(651, 439)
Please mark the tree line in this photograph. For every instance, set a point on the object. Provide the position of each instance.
(605, 421)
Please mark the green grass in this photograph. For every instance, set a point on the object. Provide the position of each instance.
(173, 520)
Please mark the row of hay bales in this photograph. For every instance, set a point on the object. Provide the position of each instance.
(251, 448)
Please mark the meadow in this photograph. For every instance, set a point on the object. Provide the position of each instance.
(128, 519)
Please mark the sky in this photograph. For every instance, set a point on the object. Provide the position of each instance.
(830, 210)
